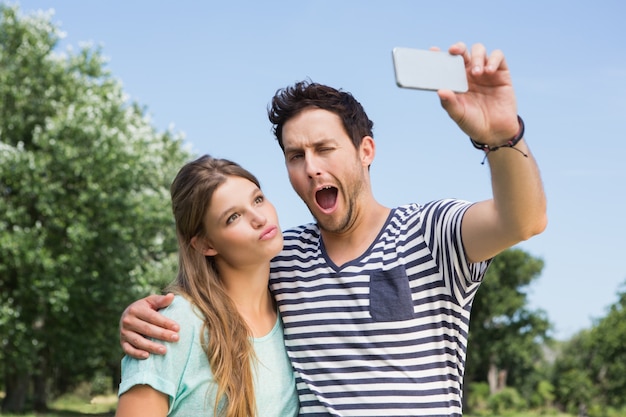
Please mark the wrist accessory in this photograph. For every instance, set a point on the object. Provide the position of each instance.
(508, 144)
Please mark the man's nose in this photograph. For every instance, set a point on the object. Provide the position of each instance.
(312, 166)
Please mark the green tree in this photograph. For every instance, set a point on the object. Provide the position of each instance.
(573, 381)
(506, 338)
(591, 371)
(86, 225)
(609, 337)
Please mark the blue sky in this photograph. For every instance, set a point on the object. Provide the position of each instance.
(210, 68)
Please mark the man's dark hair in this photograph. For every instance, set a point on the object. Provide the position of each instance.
(290, 101)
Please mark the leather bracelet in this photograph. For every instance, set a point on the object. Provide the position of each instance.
(508, 144)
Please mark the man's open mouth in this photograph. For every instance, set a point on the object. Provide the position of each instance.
(326, 198)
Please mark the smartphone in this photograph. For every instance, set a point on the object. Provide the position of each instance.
(429, 70)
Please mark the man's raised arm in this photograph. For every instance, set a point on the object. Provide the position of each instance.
(487, 113)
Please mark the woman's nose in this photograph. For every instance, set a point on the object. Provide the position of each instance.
(258, 218)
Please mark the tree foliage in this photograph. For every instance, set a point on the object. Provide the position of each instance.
(506, 338)
(86, 223)
(590, 373)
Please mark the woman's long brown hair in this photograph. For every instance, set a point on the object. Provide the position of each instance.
(229, 349)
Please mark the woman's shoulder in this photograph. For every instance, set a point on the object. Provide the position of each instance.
(181, 309)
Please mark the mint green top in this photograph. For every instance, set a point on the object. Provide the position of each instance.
(185, 376)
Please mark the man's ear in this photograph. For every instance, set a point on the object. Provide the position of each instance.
(203, 246)
(367, 150)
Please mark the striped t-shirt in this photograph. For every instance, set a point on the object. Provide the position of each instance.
(384, 334)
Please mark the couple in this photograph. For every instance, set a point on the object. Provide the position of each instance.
(374, 302)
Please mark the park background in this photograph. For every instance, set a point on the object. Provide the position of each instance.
(207, 71)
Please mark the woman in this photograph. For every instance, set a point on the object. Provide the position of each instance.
(230, 360)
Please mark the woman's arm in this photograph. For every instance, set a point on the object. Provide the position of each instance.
(142, 400)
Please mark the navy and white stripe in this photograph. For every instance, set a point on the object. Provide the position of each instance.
(385, 334)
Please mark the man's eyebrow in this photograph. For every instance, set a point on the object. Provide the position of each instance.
(292, 148)
(314, 144)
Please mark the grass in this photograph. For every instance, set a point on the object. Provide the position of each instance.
(105, 407)
(96, 412)
(529, 414)
(99, 406)
(71, 405)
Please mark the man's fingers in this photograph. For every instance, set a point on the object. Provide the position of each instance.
(134, 353)
(139, 347)
(140, 320)
(495, 61)
(478, 59)
(142, 313)
(136, 342)
(159, 301)
(450, 103)
(148, 323)
(460, 48)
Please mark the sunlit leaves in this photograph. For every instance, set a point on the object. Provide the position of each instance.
(86, 225)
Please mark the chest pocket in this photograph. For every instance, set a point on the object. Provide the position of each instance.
(390, 295)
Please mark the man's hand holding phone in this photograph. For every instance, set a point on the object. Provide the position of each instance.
(474, 87)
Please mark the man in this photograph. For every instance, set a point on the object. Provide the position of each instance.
(376, 301)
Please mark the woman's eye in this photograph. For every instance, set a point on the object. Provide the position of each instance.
(259, 199)
(232, 218)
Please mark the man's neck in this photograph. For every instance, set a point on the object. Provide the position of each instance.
(349, 245)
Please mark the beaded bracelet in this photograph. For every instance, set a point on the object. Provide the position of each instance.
(508, 144)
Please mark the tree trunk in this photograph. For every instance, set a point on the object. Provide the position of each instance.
(496, 378)
(16, 384)
(116, 373)
(492, 378)
(40, 391)
(502, 375)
